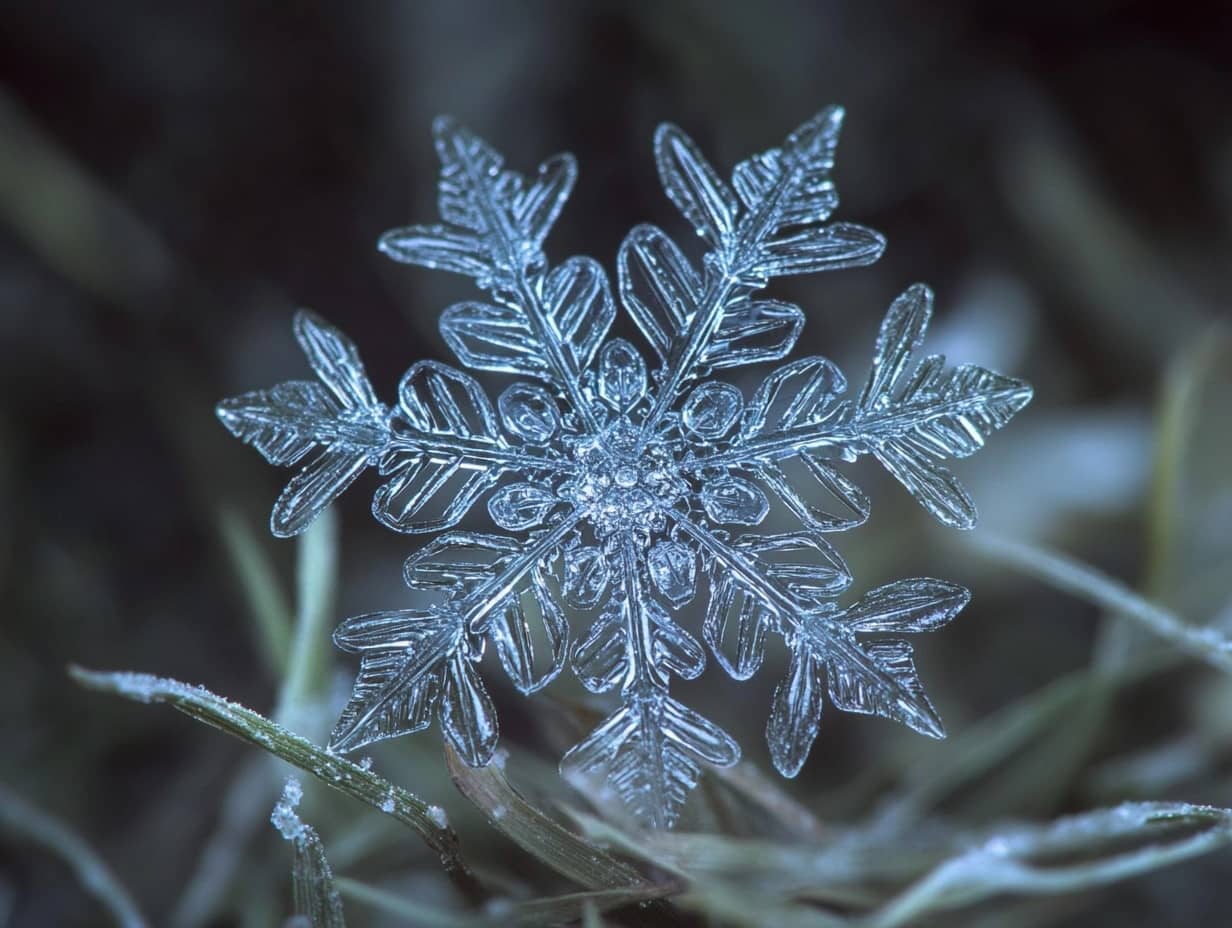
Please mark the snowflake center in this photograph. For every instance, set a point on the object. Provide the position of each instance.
(620, 487)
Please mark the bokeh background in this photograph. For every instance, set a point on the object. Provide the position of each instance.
(177, 178)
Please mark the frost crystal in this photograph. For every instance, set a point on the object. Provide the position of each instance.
(625, 491)
(284, 817)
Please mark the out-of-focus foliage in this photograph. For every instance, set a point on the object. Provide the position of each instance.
(174, 181)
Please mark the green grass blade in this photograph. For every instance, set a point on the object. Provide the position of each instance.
(767, 799)
(409, 911)
(332, 770)
(267, 602)
(1180, 410)
(307, 677)
(1072, 576)
(303, 668)
(1069, 855)
(535, 832)
(568, 909)
(591, 918)
(19, 817)
(899, 875)
(550, 910)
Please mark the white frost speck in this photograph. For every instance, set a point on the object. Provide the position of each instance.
(284, 817)
(437, 814)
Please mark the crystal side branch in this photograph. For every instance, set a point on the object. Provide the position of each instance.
(622, 496)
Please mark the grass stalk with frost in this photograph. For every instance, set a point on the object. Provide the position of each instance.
(332, 770)
(1072, 576)
(303, 663)
(316, 896)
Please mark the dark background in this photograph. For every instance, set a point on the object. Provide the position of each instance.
(176, 178)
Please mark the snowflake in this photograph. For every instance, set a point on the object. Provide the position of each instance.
(622, 492)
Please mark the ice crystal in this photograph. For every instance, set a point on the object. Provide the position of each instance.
(625, 491)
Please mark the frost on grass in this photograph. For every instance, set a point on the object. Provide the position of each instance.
(438, 815)
(285, 817)
(316, 899)
(622, 482)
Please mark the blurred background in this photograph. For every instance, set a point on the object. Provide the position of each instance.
(175, 179)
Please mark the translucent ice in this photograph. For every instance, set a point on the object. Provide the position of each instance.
(619, 485)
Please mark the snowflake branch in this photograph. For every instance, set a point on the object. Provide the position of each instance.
(477, 607)
(858, 434)
(444, 449)
(640, 648)
(529, 293)
(774, 596)
(684, 359)
(776, 446)
(645, 681)
(650, 750)
(781, 189)
(807, 625)
(567, 375)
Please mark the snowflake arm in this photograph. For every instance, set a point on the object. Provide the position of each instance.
(441, 446)
(878, 679)
(771, 224)
(340, 415)
(649, 751)
(413, 661)
(543, 325)
(909, 422)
